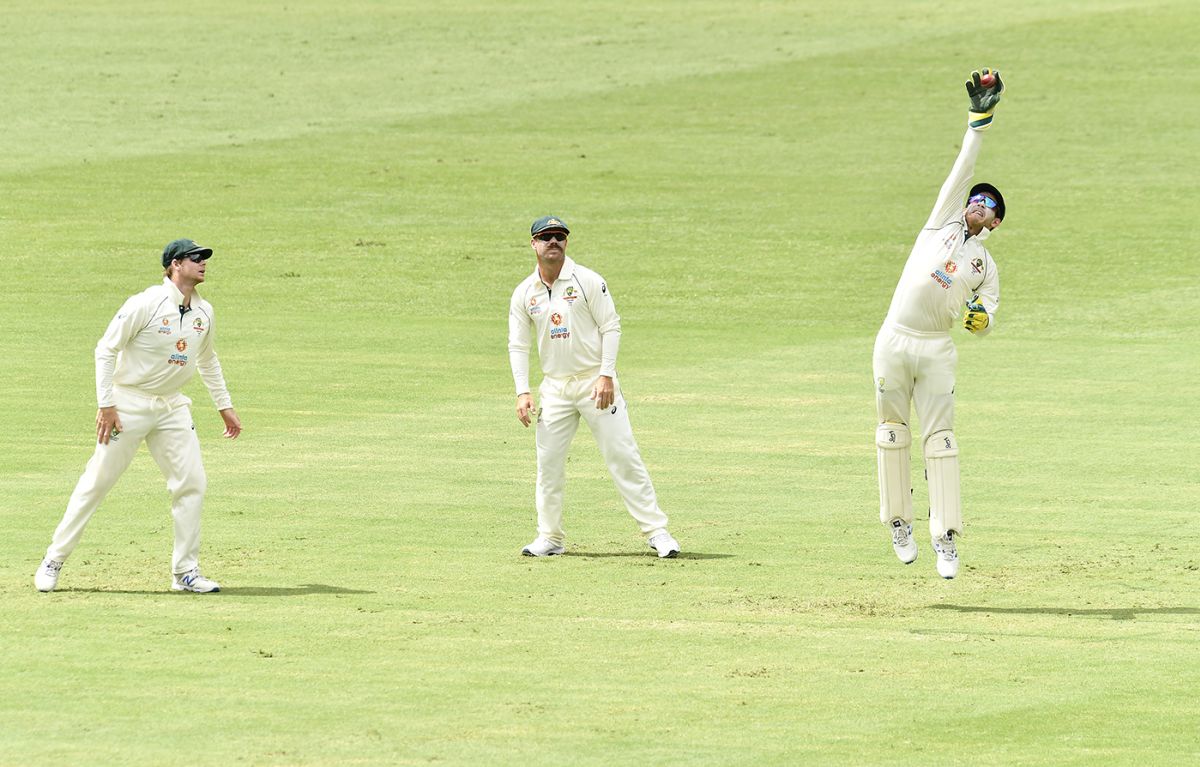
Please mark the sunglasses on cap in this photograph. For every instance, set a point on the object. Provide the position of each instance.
(555, 236)
(988, 201)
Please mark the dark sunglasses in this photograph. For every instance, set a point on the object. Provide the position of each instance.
(555, 236)
(988, 201)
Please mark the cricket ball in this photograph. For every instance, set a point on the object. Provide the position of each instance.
(988, 80)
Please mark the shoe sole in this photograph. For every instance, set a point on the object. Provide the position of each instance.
(181, 587)
(528, 553)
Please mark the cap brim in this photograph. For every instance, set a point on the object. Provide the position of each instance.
(206, 252)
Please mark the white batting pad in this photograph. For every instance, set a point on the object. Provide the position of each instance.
(893, 441)
(941, 469)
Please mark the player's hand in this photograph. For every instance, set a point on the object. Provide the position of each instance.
(603, 392)
(984, 98)
(524, 409)
(976, 318)
(233, 424)
(108, 424)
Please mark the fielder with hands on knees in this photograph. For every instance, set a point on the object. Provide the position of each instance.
(948, 271)
(154, 345)
(570, 311)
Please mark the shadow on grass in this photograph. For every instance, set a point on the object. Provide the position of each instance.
(641, 554)
(1116, 613)
(246, 591)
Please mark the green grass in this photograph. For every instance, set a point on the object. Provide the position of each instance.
(749, 178)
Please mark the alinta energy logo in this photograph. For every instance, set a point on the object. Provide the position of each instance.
(181, 345)
(556, 319)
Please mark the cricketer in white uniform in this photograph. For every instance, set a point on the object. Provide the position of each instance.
(151, 349)
(570, 311)
(915, 359)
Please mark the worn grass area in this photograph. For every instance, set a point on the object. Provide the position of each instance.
(748, 178)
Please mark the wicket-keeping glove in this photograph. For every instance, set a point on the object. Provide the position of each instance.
(976, 318)
(983, 99)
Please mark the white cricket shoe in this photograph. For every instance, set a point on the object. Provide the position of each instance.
(46, 577)
(543, 547)
(666, 546)
(902, 541)
(192, 580)
(947, 555)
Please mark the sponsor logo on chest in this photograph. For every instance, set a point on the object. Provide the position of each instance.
(570, 295)
(165, 328)
(558, 330)
(942, 276)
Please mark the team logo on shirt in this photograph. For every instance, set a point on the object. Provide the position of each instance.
(556, 319)
(198, 324)
(166, 327)
(569, 295)
(534, 308)
(951, 267)
(181, 345)
(977, 265)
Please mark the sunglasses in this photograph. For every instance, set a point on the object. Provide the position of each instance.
(555, 236)
(988, 201)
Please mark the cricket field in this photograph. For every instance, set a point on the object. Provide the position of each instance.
(749, 178)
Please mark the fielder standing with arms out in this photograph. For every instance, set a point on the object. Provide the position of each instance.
(151, 349)
(569, 310)
(914, 361)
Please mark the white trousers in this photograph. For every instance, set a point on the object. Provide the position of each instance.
(918, 369)
(563, 401)
(166, 426)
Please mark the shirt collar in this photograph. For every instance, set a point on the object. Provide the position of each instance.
(567, 272)
(174, 292)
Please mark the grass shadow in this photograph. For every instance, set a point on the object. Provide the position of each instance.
(640, 554)
(1116, 613)
(249, 591)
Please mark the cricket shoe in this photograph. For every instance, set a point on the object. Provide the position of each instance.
(46, 577)
(192, 580)
(902, 541)
(947, 555)
(543, 547)
(666, 546)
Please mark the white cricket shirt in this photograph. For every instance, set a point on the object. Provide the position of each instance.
(574, 320)
(154, 346)
(947, 267)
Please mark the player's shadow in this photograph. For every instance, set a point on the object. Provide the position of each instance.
(243, 591)
(643, 554)
(1115, 613)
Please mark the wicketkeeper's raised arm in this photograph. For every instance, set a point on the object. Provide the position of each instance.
(984, 98)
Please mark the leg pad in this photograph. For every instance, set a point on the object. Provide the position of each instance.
(941, 469)
(893, 442)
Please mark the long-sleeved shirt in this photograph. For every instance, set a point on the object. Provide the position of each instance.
(574, 320)
(947, 267)
(154, 345)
